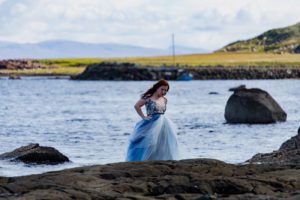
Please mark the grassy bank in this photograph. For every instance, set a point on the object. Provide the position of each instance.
(59, 71)
(215, 59)
(76, 65)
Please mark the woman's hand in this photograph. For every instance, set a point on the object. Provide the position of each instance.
(147, 118)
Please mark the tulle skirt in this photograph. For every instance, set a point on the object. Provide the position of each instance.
(153, 139)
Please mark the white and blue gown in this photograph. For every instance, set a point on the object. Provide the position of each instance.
(153, 139)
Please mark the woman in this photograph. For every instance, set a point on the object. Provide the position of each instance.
(154, 136)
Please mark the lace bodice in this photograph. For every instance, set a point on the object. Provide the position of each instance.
(154, 107)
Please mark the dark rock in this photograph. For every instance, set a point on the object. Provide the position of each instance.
(2, 66)
(293, 143)
(207, 197)
(185, 179)
(213, 93)
(237, 88)
(35, 154)
(253, 106)
(297, 49)
(280, 157)
(131, 71)
(13, 77)
(288, 154)
(125, 71)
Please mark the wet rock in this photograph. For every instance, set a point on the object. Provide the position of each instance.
(207, 197)
(185, 179)
(35, 154)
(288, 154)
(237, 88)
(280, 157)
(293, 143)
(253, 106)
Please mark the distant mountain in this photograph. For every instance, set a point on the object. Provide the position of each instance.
(281, 40)
(72, 49)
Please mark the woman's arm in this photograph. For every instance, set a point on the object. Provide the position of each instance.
(138, 108)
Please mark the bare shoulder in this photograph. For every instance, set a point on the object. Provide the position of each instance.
(141, 102)
(144, 100)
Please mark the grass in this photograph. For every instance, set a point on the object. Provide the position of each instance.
(59, 71)
(197, 60)
(75, 65)
(225, 59)
(72, 62)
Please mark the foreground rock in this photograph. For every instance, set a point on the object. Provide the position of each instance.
(293, 143)
(186, 179)
(198, 179)
(35, 154)
(288, 154)
(253, 106)
(280, 157)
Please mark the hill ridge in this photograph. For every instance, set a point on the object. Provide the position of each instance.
(279, 40)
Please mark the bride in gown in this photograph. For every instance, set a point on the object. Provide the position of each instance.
(154, 137)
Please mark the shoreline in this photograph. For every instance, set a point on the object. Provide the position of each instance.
(130, 71)
(183, 179)
(276, 177)
(60, 77)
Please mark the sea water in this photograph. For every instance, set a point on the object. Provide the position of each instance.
(90, 121)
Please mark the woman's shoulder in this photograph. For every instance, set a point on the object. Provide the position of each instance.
(145, 99)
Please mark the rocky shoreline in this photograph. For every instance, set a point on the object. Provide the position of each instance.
(13, 64)
(185, 179)
(276, 177)
(131, 71)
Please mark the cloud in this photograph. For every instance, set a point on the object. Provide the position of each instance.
(207, 24)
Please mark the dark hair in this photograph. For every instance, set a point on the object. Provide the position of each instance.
(153, 89)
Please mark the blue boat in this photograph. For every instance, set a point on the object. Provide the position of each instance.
(185, 77)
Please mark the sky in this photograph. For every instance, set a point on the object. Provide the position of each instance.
(204, 24)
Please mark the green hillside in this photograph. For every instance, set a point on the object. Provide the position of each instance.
(281, 40)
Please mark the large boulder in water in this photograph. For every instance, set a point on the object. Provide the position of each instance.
(253, 106)
(35, 154)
